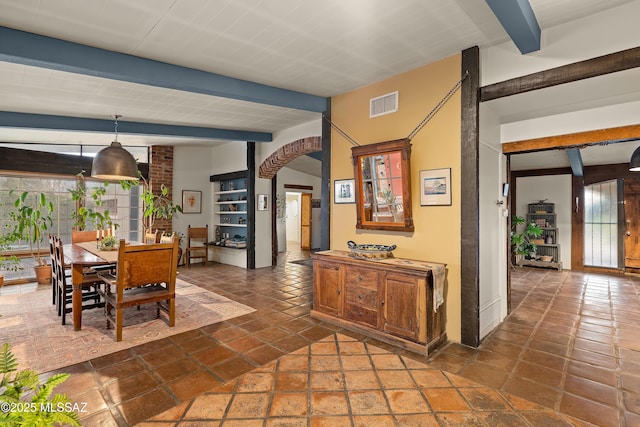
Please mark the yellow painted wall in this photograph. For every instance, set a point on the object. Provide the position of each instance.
(437, 145)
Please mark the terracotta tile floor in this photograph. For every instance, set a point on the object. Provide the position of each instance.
(571, 348)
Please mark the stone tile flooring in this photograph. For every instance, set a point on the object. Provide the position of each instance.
(570, 348)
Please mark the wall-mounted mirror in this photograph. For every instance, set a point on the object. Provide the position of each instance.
(383, 185)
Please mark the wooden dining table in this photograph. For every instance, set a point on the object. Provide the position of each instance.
(80, 256)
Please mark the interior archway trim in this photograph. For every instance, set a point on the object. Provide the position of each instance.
(283, 155)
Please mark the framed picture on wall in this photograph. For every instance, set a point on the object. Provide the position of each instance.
(435, 187)
(263, 202)
(191, 201)
(344, 191)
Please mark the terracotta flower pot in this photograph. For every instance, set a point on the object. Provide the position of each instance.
(43, 274)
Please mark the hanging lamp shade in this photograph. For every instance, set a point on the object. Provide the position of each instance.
(114, 163)
(634, 164)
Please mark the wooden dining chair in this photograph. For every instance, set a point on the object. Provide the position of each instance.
(151, 237)
(52, 260)
(82, 236)
(197, 238)
(145, 274)
(167, 238)
(91, 286)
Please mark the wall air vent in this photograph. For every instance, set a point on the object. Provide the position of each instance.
(384, 104)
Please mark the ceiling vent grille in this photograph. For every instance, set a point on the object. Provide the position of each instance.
(384, 104)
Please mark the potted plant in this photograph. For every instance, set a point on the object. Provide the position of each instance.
(84, 215)
(31, 402)
(108, 243)
(521, 242)
(155, 205)
(7, 262)
(31, 218)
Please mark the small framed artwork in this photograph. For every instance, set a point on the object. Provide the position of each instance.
(191, 201)
(435, 187)
(263, 202)
(344, 191)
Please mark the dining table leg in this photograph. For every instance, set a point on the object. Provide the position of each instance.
(76, 295)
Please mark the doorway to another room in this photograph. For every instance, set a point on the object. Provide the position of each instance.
(296, 231)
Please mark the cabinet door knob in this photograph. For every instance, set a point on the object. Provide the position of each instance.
(339, 291)
(382, 303)
(360, 278)
(360, 296)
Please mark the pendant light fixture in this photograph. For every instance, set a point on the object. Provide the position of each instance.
(634, 164)
(114, 162)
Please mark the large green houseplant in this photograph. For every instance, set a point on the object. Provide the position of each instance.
(156, 205)
(83, 216)
(522, 237)
(32, 217)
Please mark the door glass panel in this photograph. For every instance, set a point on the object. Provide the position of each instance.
(601, 225)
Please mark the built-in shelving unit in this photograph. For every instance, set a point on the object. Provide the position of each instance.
(230, 218)
(543, 215)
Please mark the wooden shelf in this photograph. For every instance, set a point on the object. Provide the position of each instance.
(243, 190)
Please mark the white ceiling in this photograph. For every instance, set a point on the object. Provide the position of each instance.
(323, 48)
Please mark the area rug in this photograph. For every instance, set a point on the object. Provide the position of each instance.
(40, 342)
(308, 262)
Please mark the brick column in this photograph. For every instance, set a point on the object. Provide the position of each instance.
(161, 172)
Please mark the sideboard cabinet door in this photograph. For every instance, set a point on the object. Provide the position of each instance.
(327, 288)
(400, 306)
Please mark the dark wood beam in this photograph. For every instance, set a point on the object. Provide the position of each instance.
(325, 189)
(611, 63)
(577, 139)
(31, 161)
(577, 223)
(251, 205)
(470, 203)
(274, 222)
(299, 187)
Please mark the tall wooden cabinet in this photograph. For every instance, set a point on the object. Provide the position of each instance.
(391, 300)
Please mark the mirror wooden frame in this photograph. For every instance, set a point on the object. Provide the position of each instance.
(359, 153)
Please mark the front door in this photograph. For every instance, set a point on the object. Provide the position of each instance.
(632, 224)
(305, 221)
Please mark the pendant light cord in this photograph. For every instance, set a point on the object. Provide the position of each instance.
(117, 116)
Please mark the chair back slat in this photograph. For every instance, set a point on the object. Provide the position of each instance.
(141, 265)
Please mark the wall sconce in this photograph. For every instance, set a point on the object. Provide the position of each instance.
(114, 162)
(634, 164)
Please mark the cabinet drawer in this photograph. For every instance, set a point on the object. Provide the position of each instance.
(361, 278)
(358, 313)
(359, 295)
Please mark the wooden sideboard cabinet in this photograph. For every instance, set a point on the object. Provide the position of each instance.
(391, 300)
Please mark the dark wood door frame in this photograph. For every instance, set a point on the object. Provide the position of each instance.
(471, 95)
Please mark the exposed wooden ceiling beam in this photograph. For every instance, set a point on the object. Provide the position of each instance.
(25, 48)
(611, 63)
(578, 139)
(575, 160)
(519, 21)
